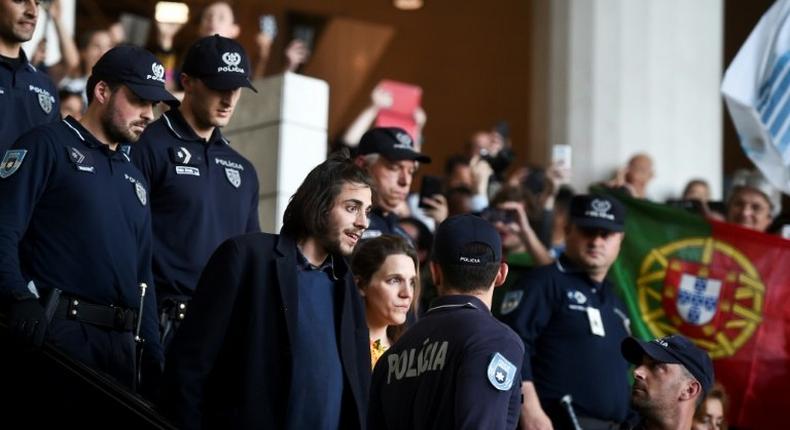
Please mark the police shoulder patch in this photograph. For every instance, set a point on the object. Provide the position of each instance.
(11, 162)
(501, 372)
(511, 301)
(142, 195)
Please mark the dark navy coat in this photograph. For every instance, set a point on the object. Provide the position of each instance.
(456, 368)
(230, 363)
(27, 99)
(202, 193)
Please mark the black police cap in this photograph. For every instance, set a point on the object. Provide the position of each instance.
(458, 231)
(221, 63)
(136, 68)
(672, 349)
(597, 211)
(393, 143)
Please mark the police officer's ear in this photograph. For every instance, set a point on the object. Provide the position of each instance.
(501, 275)
(186, 81)
(692, 389)
(102, 92)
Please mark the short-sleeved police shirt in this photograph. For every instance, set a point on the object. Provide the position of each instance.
(456, 368)
(75, 217)
(202, 193)
(27, 98)
(549, 311)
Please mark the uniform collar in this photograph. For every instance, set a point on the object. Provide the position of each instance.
(181, 129)
(565, 265)
(456, 301)
(23, 62)
(90, 140)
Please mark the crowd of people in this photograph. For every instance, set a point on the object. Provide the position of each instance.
(132, 243)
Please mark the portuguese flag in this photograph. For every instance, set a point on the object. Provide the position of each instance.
(724, 287)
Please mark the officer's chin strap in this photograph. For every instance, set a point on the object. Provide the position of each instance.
(139, 341)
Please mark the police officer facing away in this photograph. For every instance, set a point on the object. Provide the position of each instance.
(27, 96)
(202, 191)
(457, 367)
(75, 218)
(671, 378)
(572, 324)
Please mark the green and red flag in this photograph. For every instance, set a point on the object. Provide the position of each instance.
(724, 287)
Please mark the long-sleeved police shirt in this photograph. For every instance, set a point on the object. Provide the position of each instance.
(75, 217)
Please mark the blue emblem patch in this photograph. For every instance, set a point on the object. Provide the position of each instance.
(511, 301)
(501, 372)
(11, 162)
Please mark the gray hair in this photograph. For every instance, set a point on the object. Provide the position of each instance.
(755, 180)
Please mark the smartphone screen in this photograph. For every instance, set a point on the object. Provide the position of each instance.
(561, 156)
(431, 186)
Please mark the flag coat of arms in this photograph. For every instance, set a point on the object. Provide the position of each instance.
(724, 287)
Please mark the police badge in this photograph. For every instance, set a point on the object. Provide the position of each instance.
(501, 372)
(234, 177)
(11, 162)
(45, 102)
(139, 189)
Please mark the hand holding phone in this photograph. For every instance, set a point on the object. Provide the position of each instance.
(431, 186)
(268, 26)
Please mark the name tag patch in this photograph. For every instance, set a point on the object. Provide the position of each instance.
(187, 170)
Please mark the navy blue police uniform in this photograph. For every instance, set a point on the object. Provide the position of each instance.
(572, 327)
(27, 98)
(202, 191)
(458, 366)
(562, 356)
(75, 218)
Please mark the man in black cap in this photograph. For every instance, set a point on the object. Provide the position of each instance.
(572, 324)
(75, 223)
(27, 96)
(457, 367)
(388, 154)
(671, 378)
(202, 190)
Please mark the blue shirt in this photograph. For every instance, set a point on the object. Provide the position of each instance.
(75, 217)
(456, 368)
(27, 99)
(202, 193)
(548, 309)
(317, 377)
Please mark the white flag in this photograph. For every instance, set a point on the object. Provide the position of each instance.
(756, 89)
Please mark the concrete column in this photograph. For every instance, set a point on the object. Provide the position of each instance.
(616, 77)
(282, 130)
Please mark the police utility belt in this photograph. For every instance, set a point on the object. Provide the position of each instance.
(110, 317)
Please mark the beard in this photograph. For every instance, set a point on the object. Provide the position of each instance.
(114, 127)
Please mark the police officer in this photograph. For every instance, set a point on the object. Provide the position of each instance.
(389, 156)
(671, 377)
(75, 220)
(458, 366)
(202, 190)
(27, 96)
(572, 324)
